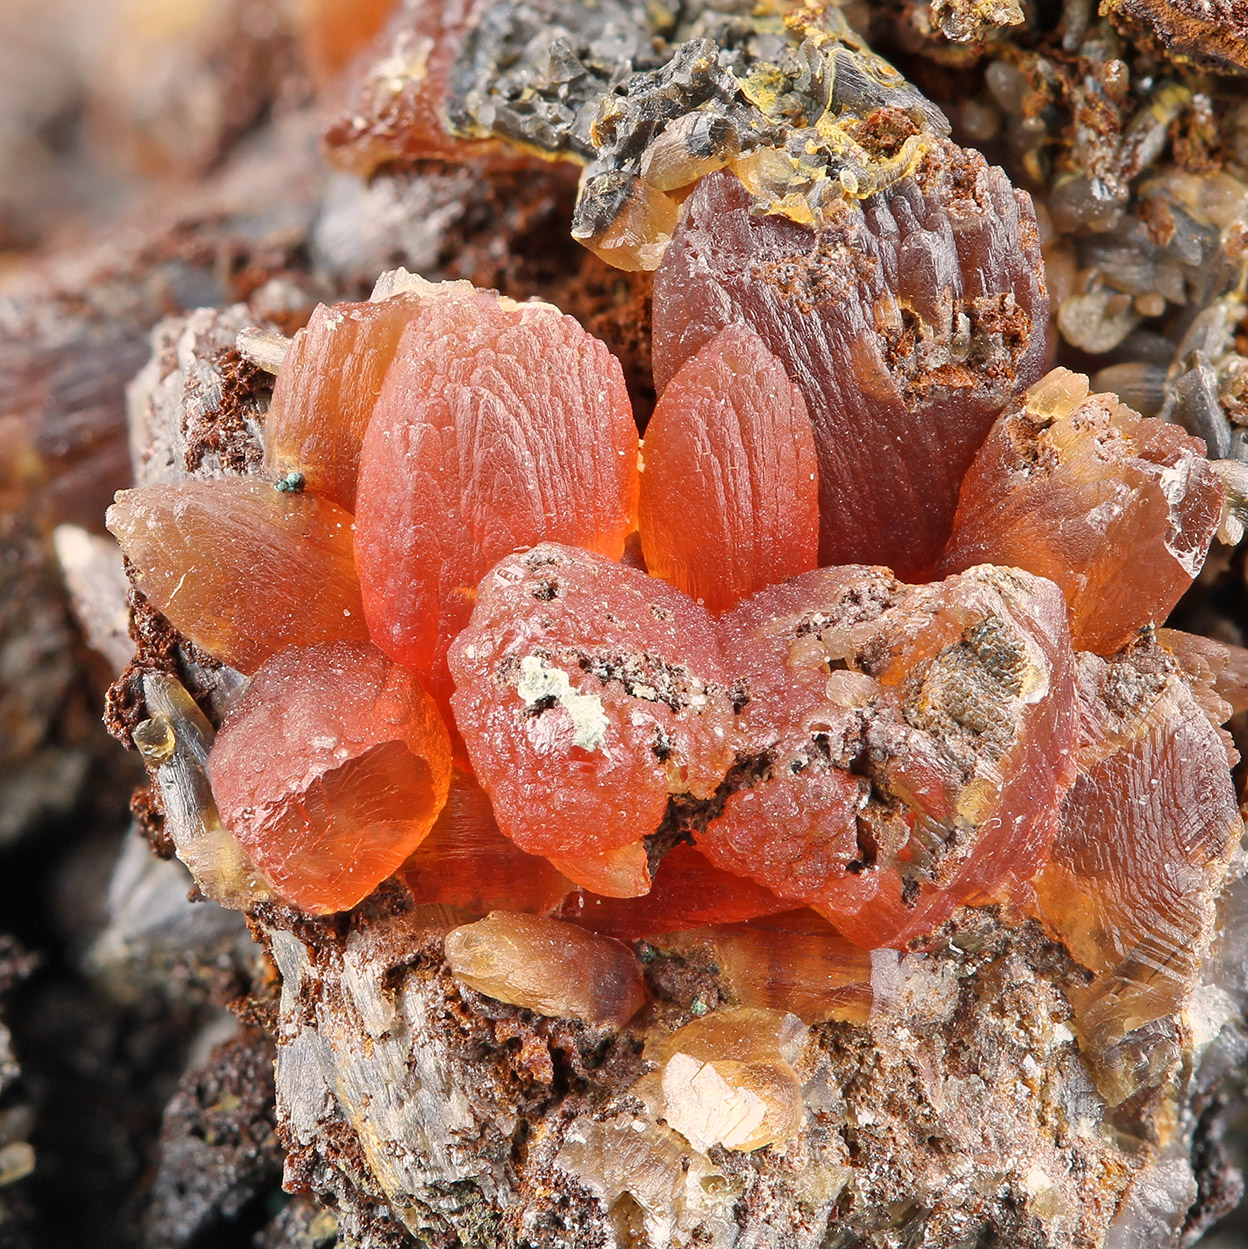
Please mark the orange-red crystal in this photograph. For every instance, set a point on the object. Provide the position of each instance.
(730, 492)
(330, 771)
(240, 568)
(499, 426)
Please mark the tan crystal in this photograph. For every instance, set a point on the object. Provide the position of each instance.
(794, 962)
(548, 967)
(728, 1078)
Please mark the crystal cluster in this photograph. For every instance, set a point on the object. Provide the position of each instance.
(728, 736)
(708, 738)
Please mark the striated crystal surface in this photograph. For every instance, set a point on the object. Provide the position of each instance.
(467, 862)
(500, 425)
(588, 692)
(688, 891)
(906, 321)
(728, 1079)
(241, 569)
(1216, 667)
(917, 740)
(793, 961)
(330, 771)
(1118, 509)
(548, 967)
(326, 390)
(1146, 832)
(730, 492)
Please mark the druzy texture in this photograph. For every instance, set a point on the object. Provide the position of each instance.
(730, 492)
(906, 321)
(1065, 483)
(330, 771)
(240, 568)
(499, 426)
(588, 693)
(916, 740)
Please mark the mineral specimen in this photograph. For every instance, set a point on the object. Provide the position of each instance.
(242, 569)
(688, 891)
(730, 492)
(1066, 483)
(393, 111)
(936, 918)
(793, 961)
(330, 771)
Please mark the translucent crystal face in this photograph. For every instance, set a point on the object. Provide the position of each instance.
(331, 771)
(498, 426)
(1065, 483)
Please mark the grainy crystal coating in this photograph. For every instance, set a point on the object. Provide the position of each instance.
(918, 739)
(587, 693)
(906, 321)
(330, 771)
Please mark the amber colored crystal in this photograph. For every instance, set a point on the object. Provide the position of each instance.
(330, 771)
(794, 961)
(466, 862)
(499, 426)
(393, 109)
(587, 693)
(727, 1078)
(1146, 831)
(689, 891)
(730, 492)
(917, 741)
(1118, 509)
(548, 967)
(906, 322)
(326, 390)
(623, 872)
(333, 31)
(240, 568)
